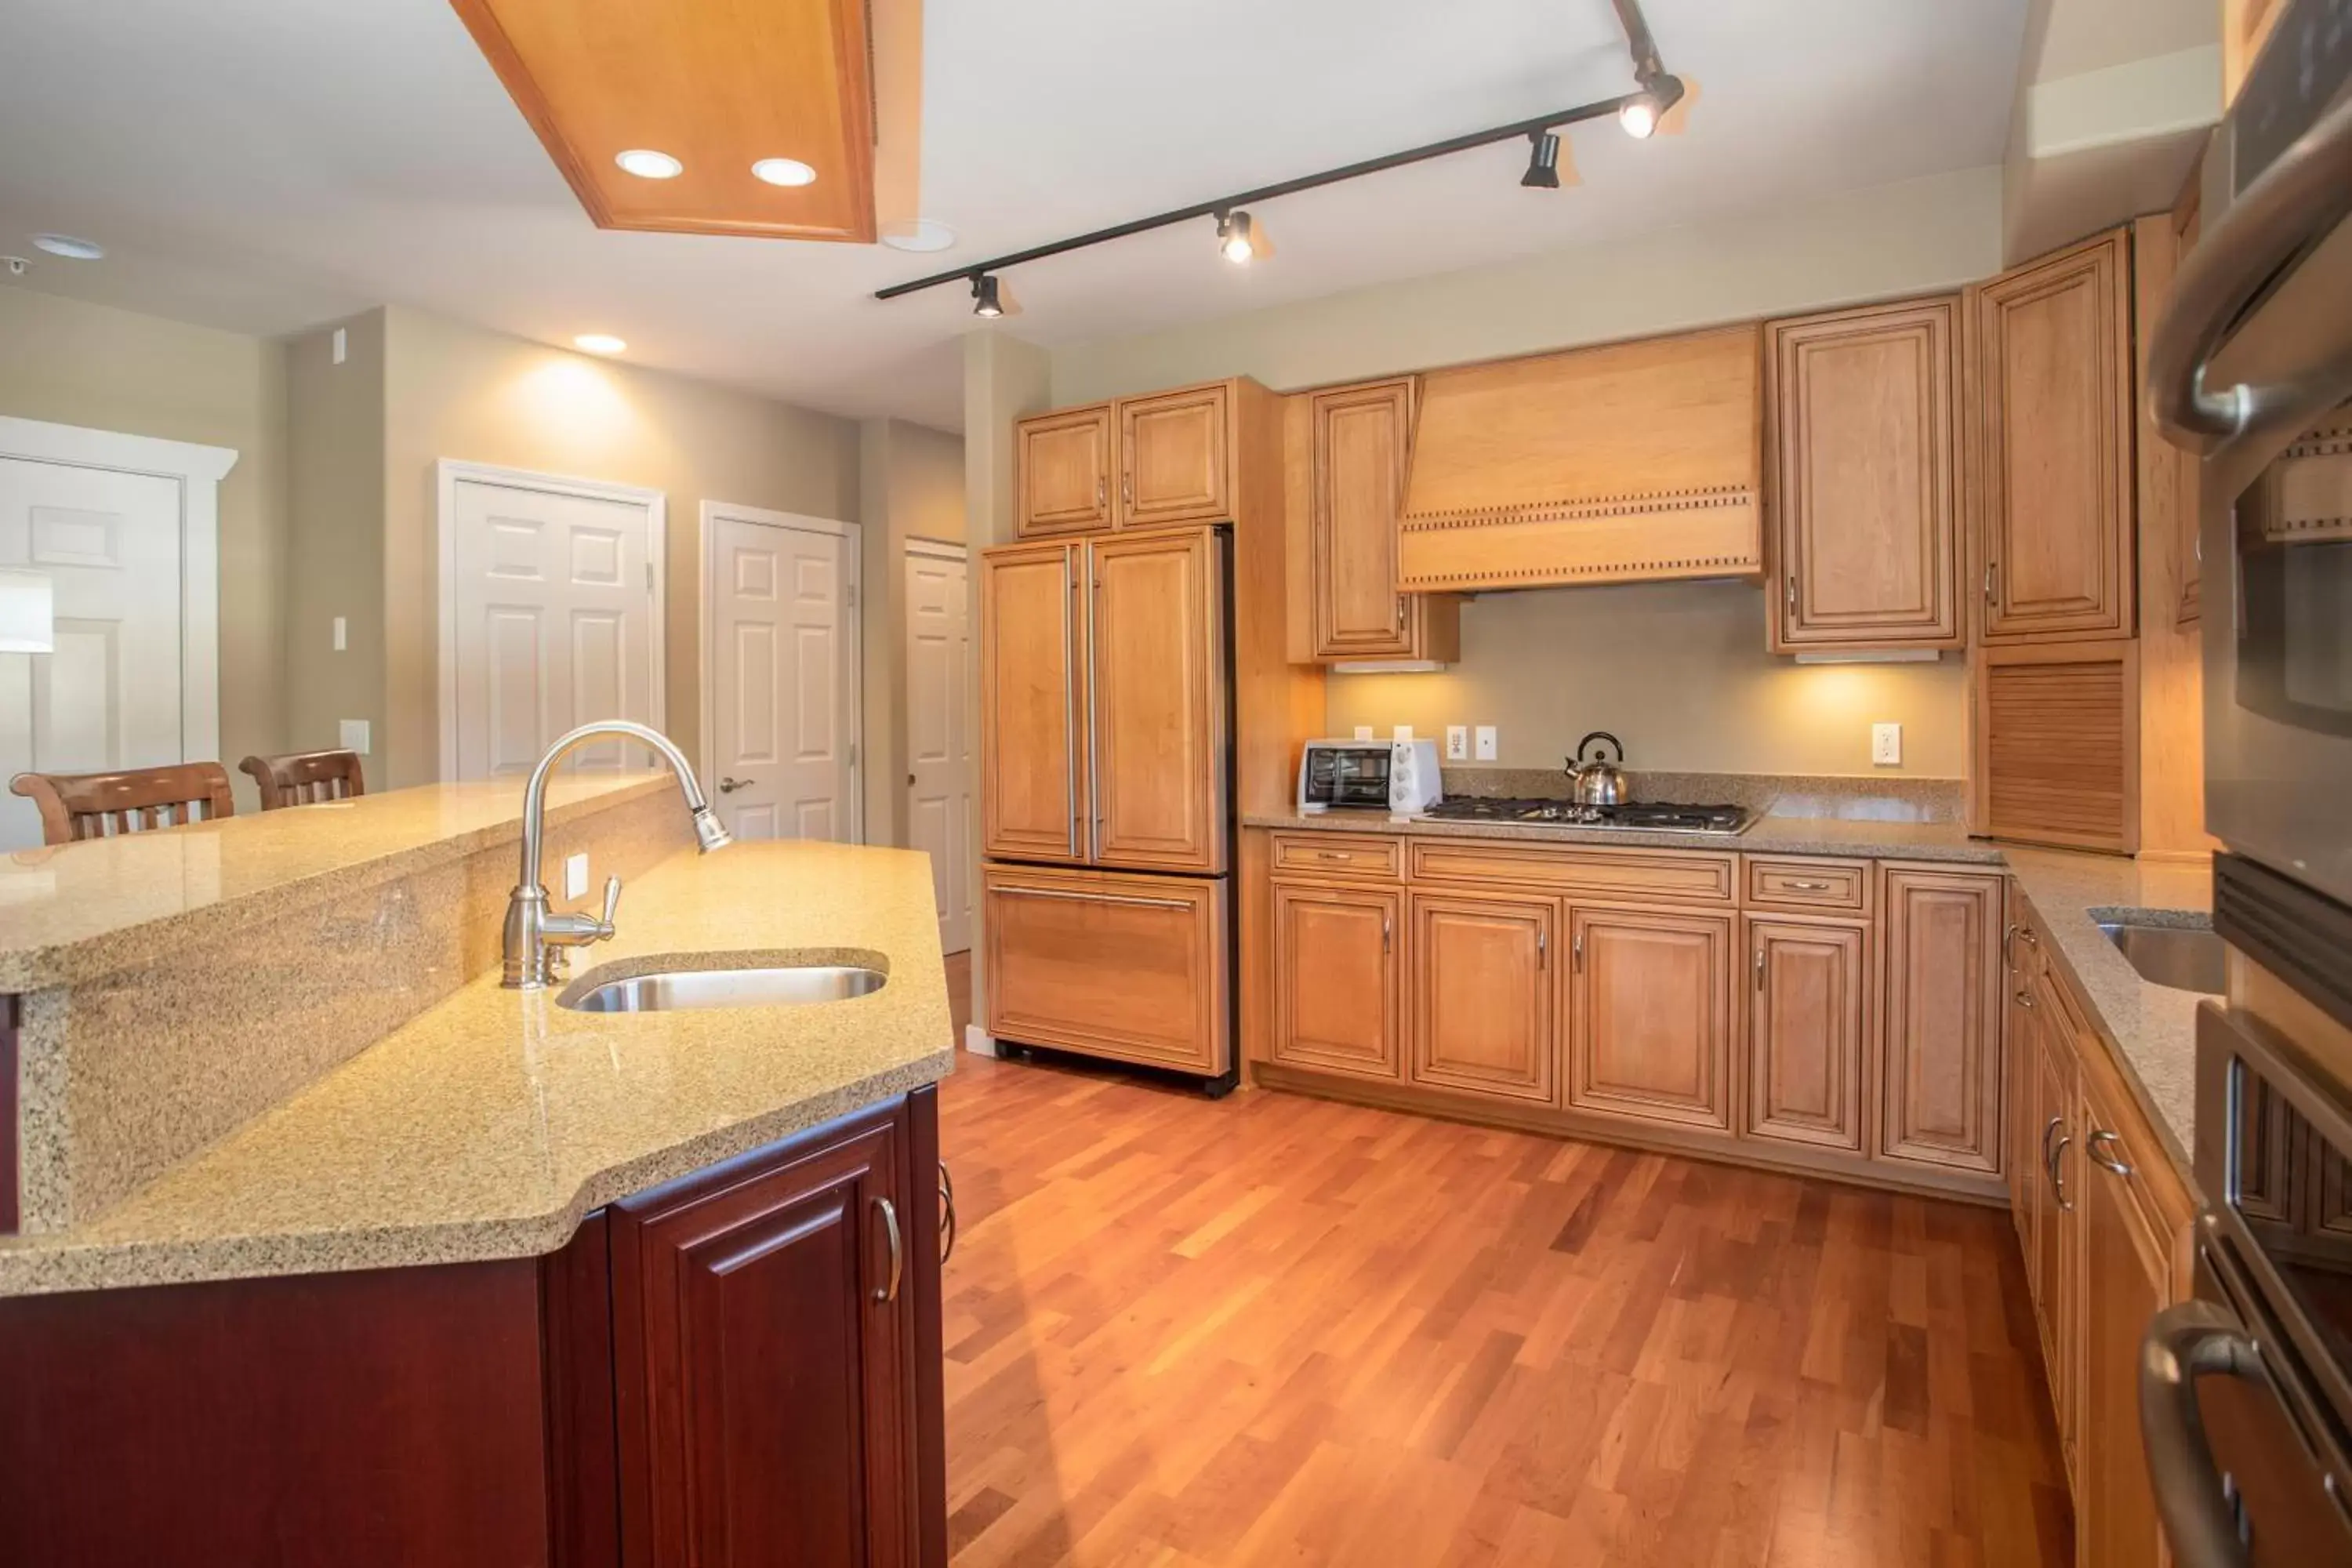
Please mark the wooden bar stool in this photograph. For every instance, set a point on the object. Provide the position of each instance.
(136, 799)
(305, 778)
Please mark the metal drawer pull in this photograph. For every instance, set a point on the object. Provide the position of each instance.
(1543, 948)
(2058, 1177)
(1759, 969)
(1102, 489)
(1810, 887)
(2096, 1149)
(890, 1292)
(1333, 855)
(2008, 937)
(947, 1214)
(1792, 590)
(1576, 951)
(2025, 999)
(1096, 897)
(1384, 931)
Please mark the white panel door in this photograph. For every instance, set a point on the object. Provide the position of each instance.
(109, 696)
(938, 731)
(555, 624)
(783, 663)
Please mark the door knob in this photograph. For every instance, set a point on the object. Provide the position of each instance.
(729, 786)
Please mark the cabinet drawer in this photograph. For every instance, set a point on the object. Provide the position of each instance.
(1120, 965)
(1368, 856)
(1806, 885)
(1596, 873)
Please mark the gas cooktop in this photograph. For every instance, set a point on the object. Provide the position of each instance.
(1724, 821)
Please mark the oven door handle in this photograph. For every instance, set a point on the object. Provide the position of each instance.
(2297, 198)
(2184, 1343)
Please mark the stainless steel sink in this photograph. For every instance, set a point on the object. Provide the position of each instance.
(2183, 957)
(767, 986)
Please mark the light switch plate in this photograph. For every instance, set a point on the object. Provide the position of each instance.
(352, 735)
(1886, 745)
(1363, 732)
(1486, 747)
(1457, 743)
(342, 635)
(576, 875)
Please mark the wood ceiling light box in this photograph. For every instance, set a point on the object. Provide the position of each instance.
(1629, 463)
(718, 88)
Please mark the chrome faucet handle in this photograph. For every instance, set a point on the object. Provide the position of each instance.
(581, 930)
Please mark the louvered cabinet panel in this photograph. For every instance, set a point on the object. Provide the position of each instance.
(2056, 742)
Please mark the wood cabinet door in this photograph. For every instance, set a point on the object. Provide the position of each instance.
(1337, 981)
(762, 1327)
(1650, 1016)
(1156, 704)
(1123, 966)
(1062, 473)
(1484, 992)
(2127, 1280)
(1808, 1015)
(1939, 992)
(2050, 374)
(1174, 462)
(2058, 1164)
(1362, 437)
(1032, 735)
(1864, 500)
(2055, 740)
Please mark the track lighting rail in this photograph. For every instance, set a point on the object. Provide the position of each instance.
(1657, 91)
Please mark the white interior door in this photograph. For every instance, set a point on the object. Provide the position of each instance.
(553, 619)
(938, 733)
(781, 640)
(109, 697)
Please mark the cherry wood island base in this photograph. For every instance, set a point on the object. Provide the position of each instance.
(730, 1368)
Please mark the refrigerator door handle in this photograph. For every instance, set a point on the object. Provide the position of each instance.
(1094, 772)
(1070, 694)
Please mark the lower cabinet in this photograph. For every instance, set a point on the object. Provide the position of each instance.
(1484, 994)
(1808, 1021)
(1650, 1016)
(1942, 1018)
(2052, 1260)
(1336, 979)
(763, 1322)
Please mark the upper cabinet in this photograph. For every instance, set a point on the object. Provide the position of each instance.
(1347, 452)
(1141, 462)
(1064, 461)
(2050, 472)
(1864, 532)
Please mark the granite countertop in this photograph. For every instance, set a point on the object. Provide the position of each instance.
(72, 912)
(491, 1124)
(2150, 1028)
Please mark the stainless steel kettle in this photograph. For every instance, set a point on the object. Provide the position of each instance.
(1597, 781)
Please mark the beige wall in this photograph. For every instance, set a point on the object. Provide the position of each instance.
(71, 362)
(456, 391)
(335, 557)
(1680, 671)
(1676, 670)
(910, 485)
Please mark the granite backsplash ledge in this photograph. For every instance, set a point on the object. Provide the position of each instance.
(1848, 798)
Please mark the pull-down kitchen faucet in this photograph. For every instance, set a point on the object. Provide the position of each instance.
(536, 937)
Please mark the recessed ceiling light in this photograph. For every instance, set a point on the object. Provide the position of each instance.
(599, 343)
(917, 234)
(67, 245)
(647, 164)
(784, 172)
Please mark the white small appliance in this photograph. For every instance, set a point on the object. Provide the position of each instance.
(1400, 777)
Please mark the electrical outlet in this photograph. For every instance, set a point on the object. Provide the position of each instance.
(353, 734)
(1363, 732)
(1486, 747)
(1403, 732)
(1457, 743)
(342, 634)
(576, 875)
(1886, 745)
(342, 346)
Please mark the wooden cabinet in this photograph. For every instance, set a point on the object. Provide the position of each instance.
(1484, 994)
(2050, 1261)
(2127, 1279)
(1127, 966)
(1062, 464)
(1940, 1010)
(1862, 474)
(1650, 1016)
(1156, 712)
(1032, 682)
(2054, 732)
(1175, 457)
(1337, 982)
(1348, 483)
(763, 1324)
(1808, 1024)
(2049, 389)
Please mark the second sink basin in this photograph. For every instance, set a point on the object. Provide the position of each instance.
(2183, 957)
(767, 986)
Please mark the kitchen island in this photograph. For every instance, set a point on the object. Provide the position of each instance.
(509, 1281)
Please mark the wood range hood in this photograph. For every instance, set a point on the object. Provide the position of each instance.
(1627, 463)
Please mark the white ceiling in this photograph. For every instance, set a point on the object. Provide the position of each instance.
(265, 164)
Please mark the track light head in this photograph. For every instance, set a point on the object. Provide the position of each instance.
(985, 303)
(1543, 161)
(1639, 115)
(1236, 236)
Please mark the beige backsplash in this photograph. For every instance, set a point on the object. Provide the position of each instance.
(1679, 671)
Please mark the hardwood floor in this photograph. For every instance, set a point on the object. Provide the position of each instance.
(1277, 1330)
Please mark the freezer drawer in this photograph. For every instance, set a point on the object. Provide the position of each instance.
(1113, 964)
